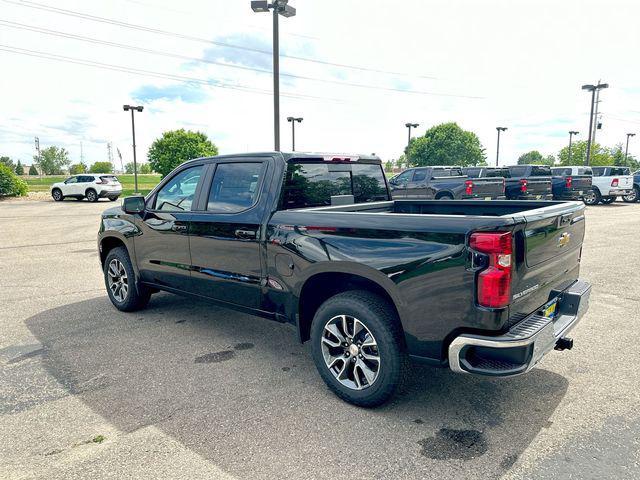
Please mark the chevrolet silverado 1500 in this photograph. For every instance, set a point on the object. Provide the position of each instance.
(316, 241)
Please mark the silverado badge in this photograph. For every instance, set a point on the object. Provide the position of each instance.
(564, 239)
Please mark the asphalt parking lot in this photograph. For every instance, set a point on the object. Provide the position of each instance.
(186, 389)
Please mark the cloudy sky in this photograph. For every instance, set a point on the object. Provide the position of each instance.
(357, 71)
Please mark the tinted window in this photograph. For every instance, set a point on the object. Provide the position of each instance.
(235, 187)
(540, 171)
(585, 171)
(404, 176)
(71, 180)
(177, 194)
(446, 172)
(313, 184)
(472, 172)
(420, 174)
(496, 172)
(561, 171)
(517, 171)
(598, 171)
(86, 179)
(620, 171)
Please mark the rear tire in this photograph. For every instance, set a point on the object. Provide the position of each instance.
(91, 195)
(119, 278)
(607, 200)
(592, 198)
(349, 332)
(56, 194)
(633, 197)
(113, 199)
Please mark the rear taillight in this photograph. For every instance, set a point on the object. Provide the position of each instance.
(523, 185)
(468, 187)
(569, 182)
(614, 182)
(494, 282)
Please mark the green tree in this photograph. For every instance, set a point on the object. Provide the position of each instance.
(128, 168)
(533, 157)
(53, 160)
(101, 167)
(77, 168)
(33, 170)
(8, 162)
(144, 168)
(176, 147)
(446, 144)
(19, 168)
(388, 166)
(10, 184)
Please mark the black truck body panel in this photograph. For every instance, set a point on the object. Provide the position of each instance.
(566, 186)
(415, 251)
(538, 182)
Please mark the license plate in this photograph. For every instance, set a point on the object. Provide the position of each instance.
(487, 198)
(550, 311)
(581, 192)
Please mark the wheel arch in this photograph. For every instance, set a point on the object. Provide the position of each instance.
(317, 287)
(444, 193)
(90, 189)
(111, 241)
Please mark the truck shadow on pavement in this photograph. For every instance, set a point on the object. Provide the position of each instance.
(243, 393)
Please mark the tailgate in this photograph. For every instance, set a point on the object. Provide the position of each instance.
(548, 249)
(625, 181)
(581, 182)
(488, 187)
(538, 185)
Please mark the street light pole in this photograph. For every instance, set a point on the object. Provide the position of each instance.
(592, 89)
(409, 127)
(626, 151)
(279, 7)
(571, 134)
(133, 109)
(293, 121)
(499, 129)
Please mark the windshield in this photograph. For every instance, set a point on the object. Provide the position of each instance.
(313, 184)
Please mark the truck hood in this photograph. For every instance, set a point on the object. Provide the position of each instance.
(112, 212)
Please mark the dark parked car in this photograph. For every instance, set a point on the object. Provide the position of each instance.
(442, 183)
(479, 287)
(529, 182)
(635, 196)
(571, 183)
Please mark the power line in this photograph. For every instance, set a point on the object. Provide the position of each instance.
(57, 33)
(183, 36)
(150, 73)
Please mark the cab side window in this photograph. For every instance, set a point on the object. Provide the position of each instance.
(235, 187)
(71, 180)
(420, 175)
(178, 193)
(404, 177)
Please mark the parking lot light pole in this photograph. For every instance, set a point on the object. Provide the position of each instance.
(592, 89)
(571, 134)
(293, 121)
(409, 127)
(626, 151)
(499, 129)
(133, 109)
(279, 7)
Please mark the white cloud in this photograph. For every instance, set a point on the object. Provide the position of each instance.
(527, 60)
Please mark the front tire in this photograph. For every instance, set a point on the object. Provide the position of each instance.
(358, 347)
(119, 278)
(91, 195)
(56, 194)
(632, 197)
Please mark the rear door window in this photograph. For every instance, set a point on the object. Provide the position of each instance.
(420, 175)
(598, 171)
(561, 171)
(235, 187)
(540, 171)
(472, 172)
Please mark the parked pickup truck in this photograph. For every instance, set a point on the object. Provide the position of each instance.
(609, 183)
(316, 241)
(571, 183)
(443, 183)
(635, 195)
(489, 181)
(529, 182)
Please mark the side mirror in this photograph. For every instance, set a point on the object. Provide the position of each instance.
(133, 204)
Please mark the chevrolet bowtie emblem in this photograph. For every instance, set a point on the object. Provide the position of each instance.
(564, 239)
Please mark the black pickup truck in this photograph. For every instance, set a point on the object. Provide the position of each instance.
(529, 182)
(316, 241)
(571, 183)
(443, 183)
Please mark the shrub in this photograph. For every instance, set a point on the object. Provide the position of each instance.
(19, 168)
(10, 184)
(101, 167)
(33, 170)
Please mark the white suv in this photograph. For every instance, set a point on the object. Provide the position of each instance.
(89, 185)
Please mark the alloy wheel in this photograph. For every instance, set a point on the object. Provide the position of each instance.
(589, 198)
(117, 280)
(57, 195)
(350, 352)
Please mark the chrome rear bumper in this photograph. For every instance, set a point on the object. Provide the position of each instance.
(518, 350)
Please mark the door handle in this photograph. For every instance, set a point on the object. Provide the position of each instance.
(179, 228)
(245, 234)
